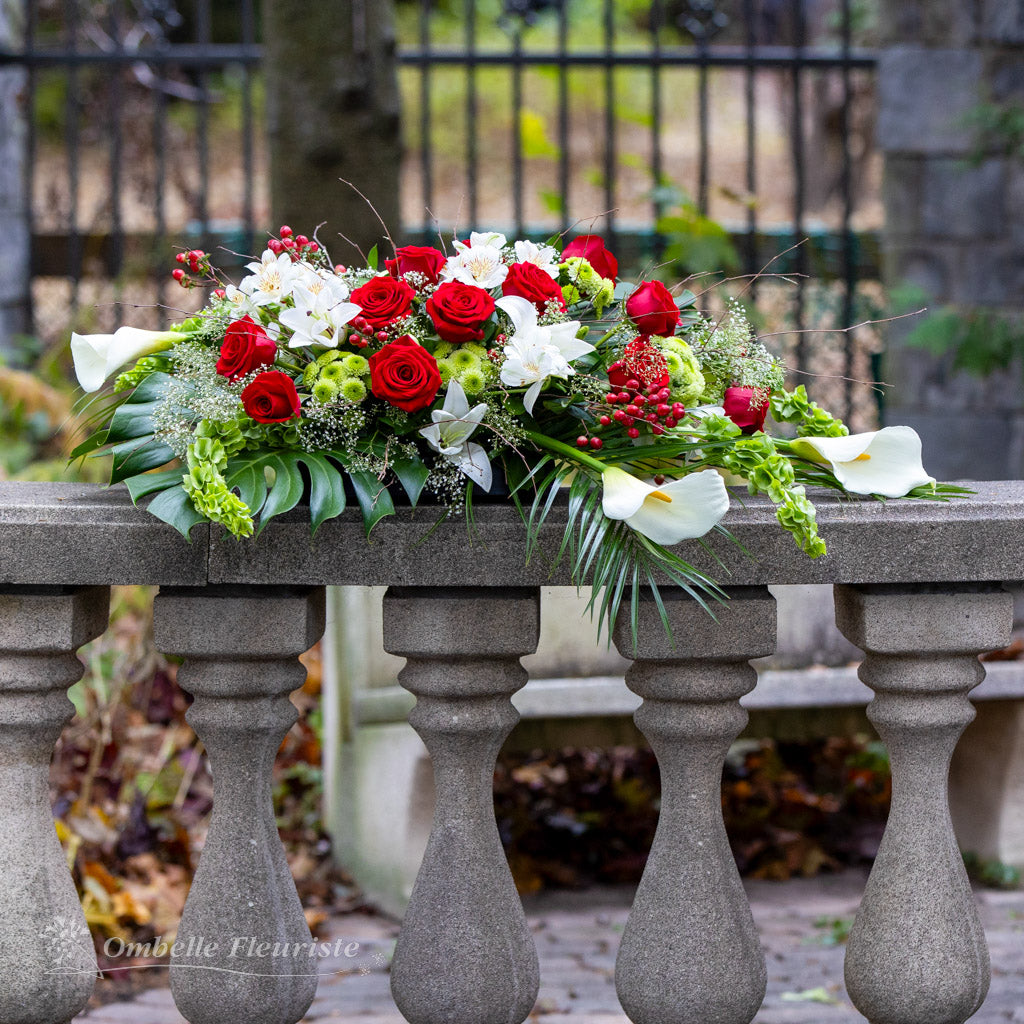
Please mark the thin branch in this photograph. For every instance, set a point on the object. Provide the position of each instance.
(376, 213)
(844, 330)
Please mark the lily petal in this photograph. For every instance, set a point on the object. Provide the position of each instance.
(532, 394)
(696, 502)
(522, 313)
(623, 493)
(886, 462)
(472, 461)
(97, 356)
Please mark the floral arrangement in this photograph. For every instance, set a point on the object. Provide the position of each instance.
(512, 369)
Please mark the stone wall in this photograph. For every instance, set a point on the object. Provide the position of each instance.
(952, 228)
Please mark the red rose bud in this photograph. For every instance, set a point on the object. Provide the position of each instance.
(271, 398)
(591, 248)
(418, 259)
(382, 300)
(459, 311)
(529, 282)
(404, 374)
(246, 347)
(746, 407)
(653, 310)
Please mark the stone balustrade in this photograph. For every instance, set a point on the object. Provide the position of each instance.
(919, 588)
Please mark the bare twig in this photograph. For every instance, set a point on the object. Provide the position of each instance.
(376, 213)
(845, 330)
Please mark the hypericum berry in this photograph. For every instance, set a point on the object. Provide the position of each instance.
(275, 247)
(285, 232)
(581, 441)
(178, 274)
(605, 420)
(340, 268)
(314, 246)
(618, 415)
(301, 241)
(652, 417)
(625, 396)
(678, 409)
(663, 409)
(596, 442)
(670, 421)
(633, 384)
(289, 243)
(639, 400)
(382, 335)
(657, 429)
(633, 433)
(628, 420)
(219, 293)
(611, 398)
(632, 410)
(659, 480)
(196, 254)
(181, 257)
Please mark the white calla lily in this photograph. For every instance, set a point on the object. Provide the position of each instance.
(885, 462)
(668, 513)
(97, 356)
(449, 434)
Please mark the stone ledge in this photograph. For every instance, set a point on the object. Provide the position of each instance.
(83, 535)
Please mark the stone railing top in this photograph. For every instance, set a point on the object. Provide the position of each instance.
(79, 534)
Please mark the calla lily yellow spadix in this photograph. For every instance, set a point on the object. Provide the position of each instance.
(97, 356)
(885, 462)
(666, 513)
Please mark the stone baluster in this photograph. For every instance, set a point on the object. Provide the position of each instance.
(465, 952)
(690, 951)
(917, 952)
(47, 961)
(240, 647)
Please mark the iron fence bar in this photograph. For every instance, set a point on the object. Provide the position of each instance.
(158, 250)
(248, 132)
(609, 119)
(657, 15)
(702, 126)
(849, 276)
(471, 112)
(724, 56)
(799, 184)
(184, 55)
(72, 112)
(31, 142)
(517, 129)
(116, 156)
(750, 181)
(563, 114)
(203, 33)
(426, 156)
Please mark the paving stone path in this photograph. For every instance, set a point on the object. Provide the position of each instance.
(578, 933)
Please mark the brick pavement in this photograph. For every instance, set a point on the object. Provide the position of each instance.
(578, 933)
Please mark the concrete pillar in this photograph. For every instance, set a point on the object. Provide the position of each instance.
(465, 952)
(333, 112)
(241, 648)
(16, 252)
(47, 962)
(690, 950)
(952, 229)
(917, 951)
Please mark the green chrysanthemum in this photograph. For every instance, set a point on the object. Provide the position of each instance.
(325, 391)
(462, 359)
(353, 390)
(472, 381)
(357, 366)
(334, 372)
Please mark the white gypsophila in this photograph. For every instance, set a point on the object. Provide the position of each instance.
(544, 256)
(450, 431)
(478, 263)
(534, 352)
(320, 311)
(272, 279)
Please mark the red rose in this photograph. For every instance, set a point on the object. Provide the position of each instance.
(419, 259)
(591, 248)
(271, 398)
(382, 300)
(641, 362)
(404, 374)
(459, 311)
(533, 284)
(746, 407)
(245, 348)
(654, 311)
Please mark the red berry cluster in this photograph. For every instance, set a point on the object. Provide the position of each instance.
(295, 245)
(197, 261)
(363, 333)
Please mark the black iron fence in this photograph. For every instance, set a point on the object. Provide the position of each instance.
(690, 132)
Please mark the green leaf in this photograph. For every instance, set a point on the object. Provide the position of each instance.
(287, 489)
(132, 420)
(246, 473)
(373, 497)
(90, 444)
(175, 507)
(146, 483)
(372, 258)
(136, 456)
(327, 489)
(412, 475)
(151, 389)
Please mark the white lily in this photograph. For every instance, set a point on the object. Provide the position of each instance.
(97, 356)
(535, 353)
(885, 462)
(449, 434)
(320, 311)
(272, 279)
(668, 513)
(478, 263)
(544, 256)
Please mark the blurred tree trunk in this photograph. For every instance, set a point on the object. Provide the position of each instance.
(15, 255)
(333, 112)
